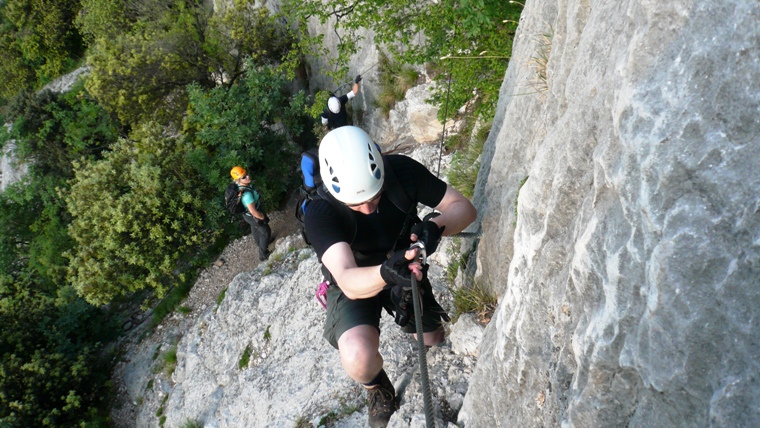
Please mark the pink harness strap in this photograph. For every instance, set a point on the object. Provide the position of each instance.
(321, 294)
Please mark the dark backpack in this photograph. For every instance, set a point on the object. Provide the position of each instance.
(233, 196)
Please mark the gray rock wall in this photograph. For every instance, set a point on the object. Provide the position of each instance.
(293, 376)
(629, 274)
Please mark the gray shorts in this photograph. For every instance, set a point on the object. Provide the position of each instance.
(344, 314)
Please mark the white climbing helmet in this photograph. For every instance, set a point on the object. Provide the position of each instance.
(351, 165)
(333, 103)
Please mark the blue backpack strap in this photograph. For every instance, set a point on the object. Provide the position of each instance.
(310, 170)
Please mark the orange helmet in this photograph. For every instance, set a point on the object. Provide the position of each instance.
(237, 172)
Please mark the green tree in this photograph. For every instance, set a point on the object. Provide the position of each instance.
(104, 18)
(49, 345)
(38, 42)
(52, 130)
(136, 214)
(254, 123)
(34, 233)
(474, 35)
(141, 73)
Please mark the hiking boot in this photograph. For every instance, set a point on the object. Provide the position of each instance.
(382, 402)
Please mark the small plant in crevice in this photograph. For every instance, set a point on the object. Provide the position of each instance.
(168, 361)
(457, 260)
(519, 186)
(394, 80)
(245, 358)
(267, 334)
(539, 61)
(267, 269)
(474, 298)
(192, 423)
(160, 411)
(466, 162)
(332, 417)
(220, 297)
(303, 422)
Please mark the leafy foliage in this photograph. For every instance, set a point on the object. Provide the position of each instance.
(37, 42)
(104, 18)
(142, 72)
(252, 124)
(54, 129)
(136, 213)
(425, 32)
(141, 76)
(395, 80)
(49, 347)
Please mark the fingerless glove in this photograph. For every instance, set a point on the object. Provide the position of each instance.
(429, 233)
(395, 270)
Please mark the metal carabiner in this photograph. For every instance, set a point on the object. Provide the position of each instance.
(422, 253)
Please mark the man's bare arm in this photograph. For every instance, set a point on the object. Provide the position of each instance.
(457, 212)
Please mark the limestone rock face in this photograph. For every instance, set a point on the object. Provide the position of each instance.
(10, 169)
(628, 263)
(410, 123)
(292, 374)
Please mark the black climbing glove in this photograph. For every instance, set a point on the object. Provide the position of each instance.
(358, 78)
(429, 233)
(403, 303)
(395, 270)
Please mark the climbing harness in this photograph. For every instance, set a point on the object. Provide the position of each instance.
(321, 294)
(421, 350)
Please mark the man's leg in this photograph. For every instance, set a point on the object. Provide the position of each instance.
(434, 337)
(361, 359)
(359, 353)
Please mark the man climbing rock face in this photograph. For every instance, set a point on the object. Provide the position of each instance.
(335, 115)
(362, 231)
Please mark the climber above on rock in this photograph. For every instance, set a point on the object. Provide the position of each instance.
(362, 230)
(334, 116)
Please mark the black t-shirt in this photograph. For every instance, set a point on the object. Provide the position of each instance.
(336, 120)
(376, 233)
